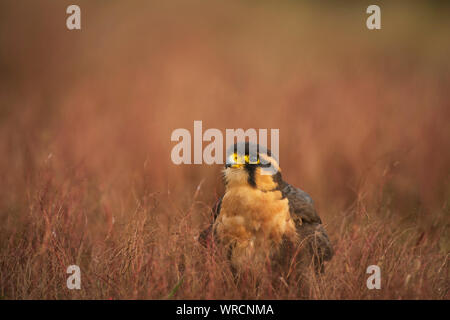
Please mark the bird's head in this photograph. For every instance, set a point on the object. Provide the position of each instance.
(252, 165)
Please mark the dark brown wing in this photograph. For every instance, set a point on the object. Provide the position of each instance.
(206, 236)
(308, 223)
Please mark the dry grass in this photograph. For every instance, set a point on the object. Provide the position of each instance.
(85, 123)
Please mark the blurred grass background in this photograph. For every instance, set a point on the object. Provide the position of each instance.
(86, 118)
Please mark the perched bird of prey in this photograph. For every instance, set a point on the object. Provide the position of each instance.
(262, 218)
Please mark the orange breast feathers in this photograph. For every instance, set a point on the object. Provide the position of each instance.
(252, 220)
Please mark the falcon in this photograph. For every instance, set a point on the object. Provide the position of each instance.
(262, 218)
